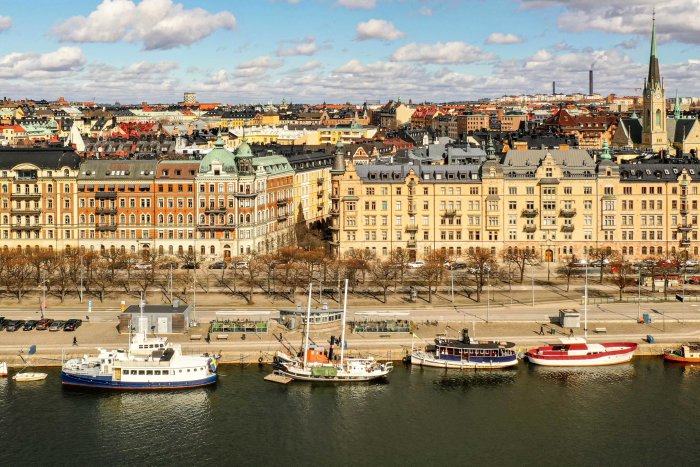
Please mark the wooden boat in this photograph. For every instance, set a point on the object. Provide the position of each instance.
(576, 351)
(29, 376)
(466, 353)
(688, 353)
(3, 369)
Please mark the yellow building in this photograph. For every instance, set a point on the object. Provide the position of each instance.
(346, 133)
(312, 181)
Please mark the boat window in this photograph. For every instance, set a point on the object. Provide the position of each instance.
(180, 371)
(149, 372)
(141, 372)
(140, 347)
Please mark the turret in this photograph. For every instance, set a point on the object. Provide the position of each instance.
(339, 160)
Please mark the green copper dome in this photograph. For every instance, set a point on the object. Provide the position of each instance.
(221, 155)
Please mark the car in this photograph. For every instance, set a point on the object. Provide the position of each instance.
(57, 325)
(690, 263)
(667, 263)
(143, 266)
(695, 280)
(168, 265)
(416, 264)
(600, 263)
(218, 265)
(190, 266)
(72, 324)
(455, 266)
(2, 323)
(14, 325)
(240, 265)
(29, 325)
(43, 324)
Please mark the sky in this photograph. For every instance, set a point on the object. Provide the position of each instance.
(259, 51)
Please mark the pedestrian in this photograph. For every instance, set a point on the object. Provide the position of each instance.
(541, 330)
(208, 338)
(75, 341)
(571, 332)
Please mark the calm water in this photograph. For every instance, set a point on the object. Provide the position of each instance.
(646, 413)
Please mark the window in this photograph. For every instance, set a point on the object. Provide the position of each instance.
(587, 190)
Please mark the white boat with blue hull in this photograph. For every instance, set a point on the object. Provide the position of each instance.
(149, 363)
(466, 353)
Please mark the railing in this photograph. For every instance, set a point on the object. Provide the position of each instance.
(530, 212)
(567, 228)
(411, 243)
(215, 211)
(282, 202)
(106, 227)
(381, 326)
(244, 327)
(449, 212)
(106, 211)
(320, 180)
(411, 227)
(529, 228)
(245, 194)
(106, 194)
(334, 212)
(26, 195)
(685, 228)
(26, 179)
(25, 227)
(26, 211)
(567, 212)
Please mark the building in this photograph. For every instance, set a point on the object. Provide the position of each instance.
(174, 207)
(190, 98)
(312, 183)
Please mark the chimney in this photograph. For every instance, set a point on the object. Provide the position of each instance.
(554, 88)
(590, 82)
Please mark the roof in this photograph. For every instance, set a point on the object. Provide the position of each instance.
(574, 163)
(397, 173)
(678, 130)
(44, 158)
(660, 170)
(135, 309)
(127, 170)
(219, 154)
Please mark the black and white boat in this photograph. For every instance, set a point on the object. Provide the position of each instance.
(466, 353)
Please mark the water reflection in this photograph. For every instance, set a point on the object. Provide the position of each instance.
(685, 369)
(574, 376)
(465, 379)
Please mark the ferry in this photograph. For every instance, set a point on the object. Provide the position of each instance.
(466, 353)
(148, 363)
(575, 351)
(689, 353)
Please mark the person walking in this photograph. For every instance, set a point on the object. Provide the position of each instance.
(571, 332)
(75, 341)
(541, 330)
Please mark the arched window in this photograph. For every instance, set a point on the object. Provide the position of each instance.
(160, 218)
(658, 117)
(132, 219)
(122, 219)
(180, 219)
(212, 250)
(66, 220)
(659, 250)
(624, 250)
(203, 250)
(82, 219)
(230, 219)
(631, 250)
(170, 218)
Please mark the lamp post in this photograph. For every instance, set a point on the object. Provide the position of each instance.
(452, 284)
(532, 279)
(488, 294)
(43, 294)
(639, 295)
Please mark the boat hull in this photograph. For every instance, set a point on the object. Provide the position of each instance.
(597, 360)
(107, 382)
(424, 359)
(332, 379)
(26, 377)
(679, 359)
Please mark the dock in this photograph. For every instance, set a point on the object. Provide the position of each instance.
(276, 378)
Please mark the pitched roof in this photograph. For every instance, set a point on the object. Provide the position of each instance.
(44, 158)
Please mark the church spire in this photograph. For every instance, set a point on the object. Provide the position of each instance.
(677, 108)
(654, 78)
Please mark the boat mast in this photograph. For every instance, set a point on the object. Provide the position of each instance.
(308, 327)
(342, 335)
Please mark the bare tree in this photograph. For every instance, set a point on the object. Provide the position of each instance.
(19, 276)
(622, 276)
(269, 262)
(520, 257)
(101, 278)
(251, 276)
(60, 279)
(400, 258)
(383, 274)
(481, 263)
(431, 272)
(603, 256)
(652, 266)
(568, 269)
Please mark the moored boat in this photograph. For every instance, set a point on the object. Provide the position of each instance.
(148, 363)
(29, 376)
(575, 351)
(3, 369)
(466, 353)
(688, 353)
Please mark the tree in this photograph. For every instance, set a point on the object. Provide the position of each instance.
(251, 275)
(651, 265)
(568, 269)
(101, 278)
(60, 277)
(603, 256)
(623, 276)
(481, 263)
(520, 257)
(305, 238)
(19, 276)
(383, 274)
(269, 262)
(431, 272)
(400, 258)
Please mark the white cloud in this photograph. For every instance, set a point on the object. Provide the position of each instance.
(5, 23)
(28, 65)
(443, 53)
(158, 24)
(626, 17)
(377, 29)
(503, 38)
(305, 47)
(257, 66)
(357, 4)
(308, 66)
(425, 11)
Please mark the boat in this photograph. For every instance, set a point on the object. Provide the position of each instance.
(315, 364)
(29, 376)
(148, 363)
(466, 353)
(688, 353)
(3, 369)
(575, 351)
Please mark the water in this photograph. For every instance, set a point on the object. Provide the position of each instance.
(644, 413)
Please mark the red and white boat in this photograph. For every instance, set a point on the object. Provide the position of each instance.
(575, 351)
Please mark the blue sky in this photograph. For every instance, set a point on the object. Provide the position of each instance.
(338, 50)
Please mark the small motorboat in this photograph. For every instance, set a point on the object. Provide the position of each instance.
(29, 376)
(3, 369)
(688, 353)
(575, 351)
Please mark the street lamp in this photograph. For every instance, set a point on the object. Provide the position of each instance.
(488, 293)
(43, 283)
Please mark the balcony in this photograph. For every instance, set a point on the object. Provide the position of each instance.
(216, 227)
(26, 195)
(684, 242)
(412, 228)
(321, 205)
(411, 209)
(25, 227)
(26, 179)
(411, 244)
(530, 229)
(26, 211)
(567, 213)
(335, 197)
(685, 228)
(493, 227)
(567, 228)
(334, 212)
(219, 210)
(106, 211)
(281, 217)
(333, 227)
(246, 194)
(320, 180)
(449, 213)
(106, 227)
(684, 211)
(320, 193)
(282, 202)
(530, 213)
(106, 195)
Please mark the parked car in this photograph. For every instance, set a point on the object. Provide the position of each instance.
(29, 325)
(168, 265)
(600, 263)
(143, 266)
(14, 325)
(694, 280)
(72, 324)
(691, 263)
(665, 263)
(240, 265)
(416, 264)
(3, 323)
(218, 265)
(43, 324)
(190, 266)
(454, 265)
(57, 325)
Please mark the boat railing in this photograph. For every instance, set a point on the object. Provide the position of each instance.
(141, 364)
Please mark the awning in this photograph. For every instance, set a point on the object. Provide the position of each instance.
(91, 187)
(144, 187)
(101, 187)
(132, 187)
(122, 187)
(112, 187)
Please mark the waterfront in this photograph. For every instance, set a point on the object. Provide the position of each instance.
(637, 414)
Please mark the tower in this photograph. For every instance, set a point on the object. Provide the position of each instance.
(654, 135)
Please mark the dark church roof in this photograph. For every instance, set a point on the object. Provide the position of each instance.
(44, 158)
